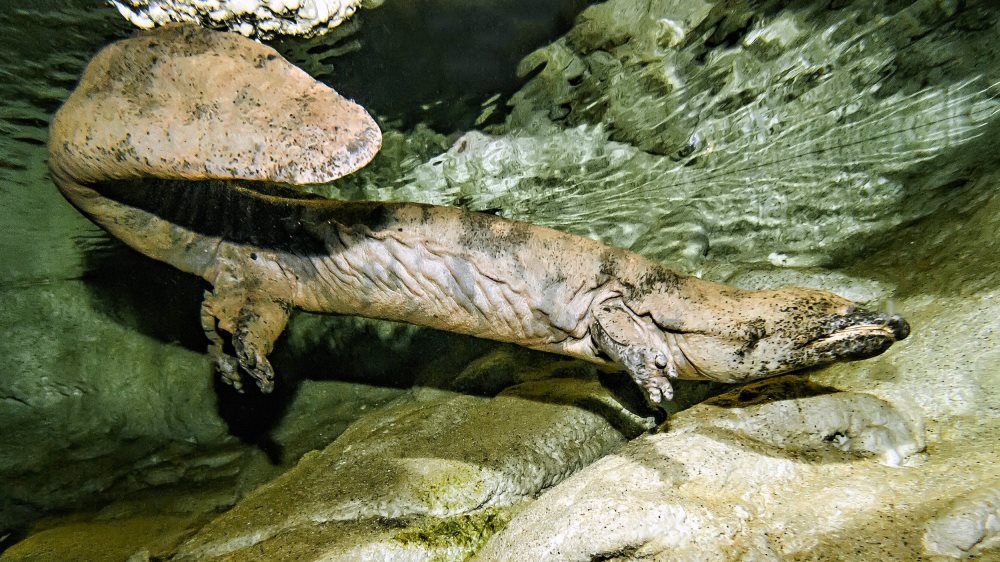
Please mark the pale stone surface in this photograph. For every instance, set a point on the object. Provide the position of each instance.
(253, 18)
(971, 526)
(709, 489)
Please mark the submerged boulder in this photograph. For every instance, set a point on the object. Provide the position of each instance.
(431, 476)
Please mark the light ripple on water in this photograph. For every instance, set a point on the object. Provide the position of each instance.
(819, 178)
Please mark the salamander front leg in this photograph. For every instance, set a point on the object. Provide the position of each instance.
(637, 345)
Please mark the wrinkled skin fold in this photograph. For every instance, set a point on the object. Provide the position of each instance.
(186, 143)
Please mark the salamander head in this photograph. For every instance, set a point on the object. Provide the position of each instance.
(768, 333)
(708, 331)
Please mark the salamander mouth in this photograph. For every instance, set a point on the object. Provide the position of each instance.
(860, 336)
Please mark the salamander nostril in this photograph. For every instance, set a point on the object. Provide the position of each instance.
(900, 327)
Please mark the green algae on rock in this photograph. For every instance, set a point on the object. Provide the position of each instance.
(432, 461)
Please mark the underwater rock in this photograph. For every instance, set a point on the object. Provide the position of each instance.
(705, 132)
(100, 425)
(790, 416)
(725, 484)
(136, 539)
(434, 460)
(120, 427)
(772, 470)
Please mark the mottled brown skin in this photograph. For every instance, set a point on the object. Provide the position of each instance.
(195, 198)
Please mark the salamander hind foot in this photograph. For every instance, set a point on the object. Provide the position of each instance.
(255, 324)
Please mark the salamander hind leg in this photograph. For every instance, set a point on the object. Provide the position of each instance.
(255, 324)
(635, 344)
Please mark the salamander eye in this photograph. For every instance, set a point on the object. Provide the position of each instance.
(660, 361)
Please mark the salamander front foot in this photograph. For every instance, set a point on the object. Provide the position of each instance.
(637, 346)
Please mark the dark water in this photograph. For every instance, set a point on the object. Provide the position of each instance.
(433, 61)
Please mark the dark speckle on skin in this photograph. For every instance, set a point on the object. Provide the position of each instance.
(754, 331)
(556, 277)
(204, 110)
(478, 235)
(123, 151)
(657, 279)
(243, 96)
(262, 60)
(654, 279)
(609, 263)
(371, 215)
